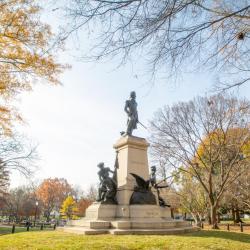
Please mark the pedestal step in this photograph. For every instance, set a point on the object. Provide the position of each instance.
(154, 231)
(98, 224)
(148, 224)
(129, 224)
(83, 230)
(87, 231)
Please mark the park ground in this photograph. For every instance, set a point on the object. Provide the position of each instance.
(205, 239)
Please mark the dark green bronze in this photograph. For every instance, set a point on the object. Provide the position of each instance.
(131, 110)
(142, 191)
(107, 187)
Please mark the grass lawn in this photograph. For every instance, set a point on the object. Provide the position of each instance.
(60, 240)
(7, 230)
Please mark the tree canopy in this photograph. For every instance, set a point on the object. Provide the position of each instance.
(170, 34)
(26, 54)
(52, 192)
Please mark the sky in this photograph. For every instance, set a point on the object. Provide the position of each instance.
(75, 125)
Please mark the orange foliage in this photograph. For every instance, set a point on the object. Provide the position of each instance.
(82, 205)
(25, 53)
(52, 192)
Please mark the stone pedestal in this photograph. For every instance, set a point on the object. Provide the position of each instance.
(124, 218)
(132, 158)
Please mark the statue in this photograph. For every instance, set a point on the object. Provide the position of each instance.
(142, 192)
(156, 185)
(107, 187)
(131, 110)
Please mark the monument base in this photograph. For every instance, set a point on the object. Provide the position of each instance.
(140, 215)
(132, 219)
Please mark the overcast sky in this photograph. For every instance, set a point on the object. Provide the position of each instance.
(76, 125)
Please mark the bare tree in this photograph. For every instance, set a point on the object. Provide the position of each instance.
(91, 192)
(20, 203)
(206, 139)
(15, 155)
(170, 34)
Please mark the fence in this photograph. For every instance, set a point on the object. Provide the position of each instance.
(240, 227)
(14, 228)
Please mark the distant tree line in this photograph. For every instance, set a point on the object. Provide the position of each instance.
(52, 199)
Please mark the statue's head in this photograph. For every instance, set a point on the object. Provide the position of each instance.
(100, 165)
(133, 94)
(153, 169)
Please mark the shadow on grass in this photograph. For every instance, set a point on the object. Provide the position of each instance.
(241, 237)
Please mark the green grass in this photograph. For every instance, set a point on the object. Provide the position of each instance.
(60, 240)
(8, 230)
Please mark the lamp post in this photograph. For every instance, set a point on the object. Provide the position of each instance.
(35, 213)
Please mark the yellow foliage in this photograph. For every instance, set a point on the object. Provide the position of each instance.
(25, 54)
(69, 208)
(235, 141)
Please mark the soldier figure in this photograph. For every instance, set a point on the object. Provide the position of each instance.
(152, 181)
(107, 186)
(131, 110)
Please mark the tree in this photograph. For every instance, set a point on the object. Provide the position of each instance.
(193, 199)
(91, 193)
(177, 34)
(52, 192)
(82, 205)
(20, 203)
(206, 139)
(15, 155)
(26, 54)
(69, 208)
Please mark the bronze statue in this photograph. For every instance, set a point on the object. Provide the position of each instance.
(131, 110)
(107, 187)
(156, 185)
(142, 192)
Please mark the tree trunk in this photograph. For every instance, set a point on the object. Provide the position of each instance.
(172, 213)
(237, 212)
(214, 217)
(218, 217)
(209, 219)
(233, 215)
(198, 221)
(47, 215)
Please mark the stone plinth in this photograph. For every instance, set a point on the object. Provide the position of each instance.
(132, 158)
(123, 218)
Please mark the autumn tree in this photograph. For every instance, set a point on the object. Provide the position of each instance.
(20, 203)
(193, 199)
(171, 35)
(205, 138)
(82, 205)
(52, 192)
(27, 54)
(69, 208)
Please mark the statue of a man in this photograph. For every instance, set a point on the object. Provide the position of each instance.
(131, 110)
(152, 181)
(107, 186)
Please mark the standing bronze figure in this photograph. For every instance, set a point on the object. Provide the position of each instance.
(131, 110)
(156, 185)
